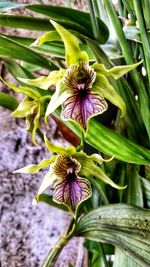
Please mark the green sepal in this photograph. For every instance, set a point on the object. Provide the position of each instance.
(103, 87)
(116, 72)
(24, 108)
(34, 168)
(89, 168)
(33, 126)
(44, 82)
(69, 150)
(30, 92)
(47, 37)
(73, 53)
(58, 98)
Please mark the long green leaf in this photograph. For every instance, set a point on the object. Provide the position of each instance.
(8, 101)
(15, 50)
(25, 22)
(73, 19)
(7, 5)
(124, 226)
(113, 144)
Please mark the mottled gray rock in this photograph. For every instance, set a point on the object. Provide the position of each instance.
(27, 231)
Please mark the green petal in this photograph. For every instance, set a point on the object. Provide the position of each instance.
(116, 72)
(69, 150)
(25, 107)
(91, 169)
(44, 82)
(49, 179)
(30, 92)
(33, 168)
(73, 53)
(104, 88)
(58, 98)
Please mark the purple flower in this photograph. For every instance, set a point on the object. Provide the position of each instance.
(82, 104)
(71, 190)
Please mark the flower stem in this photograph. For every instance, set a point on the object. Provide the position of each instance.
(62, 241)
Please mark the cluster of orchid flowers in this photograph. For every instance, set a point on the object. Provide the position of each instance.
(82, 90)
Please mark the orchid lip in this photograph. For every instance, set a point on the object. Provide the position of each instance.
(70, 190)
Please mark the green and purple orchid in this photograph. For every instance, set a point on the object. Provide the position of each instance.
(82, 89)
(32, 107)
(69, 171)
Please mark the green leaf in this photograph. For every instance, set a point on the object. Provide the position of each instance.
(8, 101)
(122, 260)
(113, 144)
(25, 22)
(16, 69)
(15, 50)
(7, 5)
(124, 226)
(133, 196)
(146, 190)
(132, 33)
(72, 19)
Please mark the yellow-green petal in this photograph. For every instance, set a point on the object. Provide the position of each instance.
(44, 82)
(73, 53)
(103, 87)
(58, 98)
(116, 72)
(49, 179)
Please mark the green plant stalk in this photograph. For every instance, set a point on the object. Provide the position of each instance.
(127, 53)
(104, 256)
(93, 20)
(55, 251)
(143, 33)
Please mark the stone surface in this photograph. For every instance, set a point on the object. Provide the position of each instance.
(27, 231)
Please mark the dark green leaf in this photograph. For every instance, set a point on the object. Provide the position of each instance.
(124, 226)
(15, 50)
(73, 19)
(113, 144)
(8, 101)
(25, 22)
(146, 190)
(17, 70)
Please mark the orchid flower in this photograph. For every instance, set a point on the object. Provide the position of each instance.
(82, 89)
(68, 172)
(32, 107)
